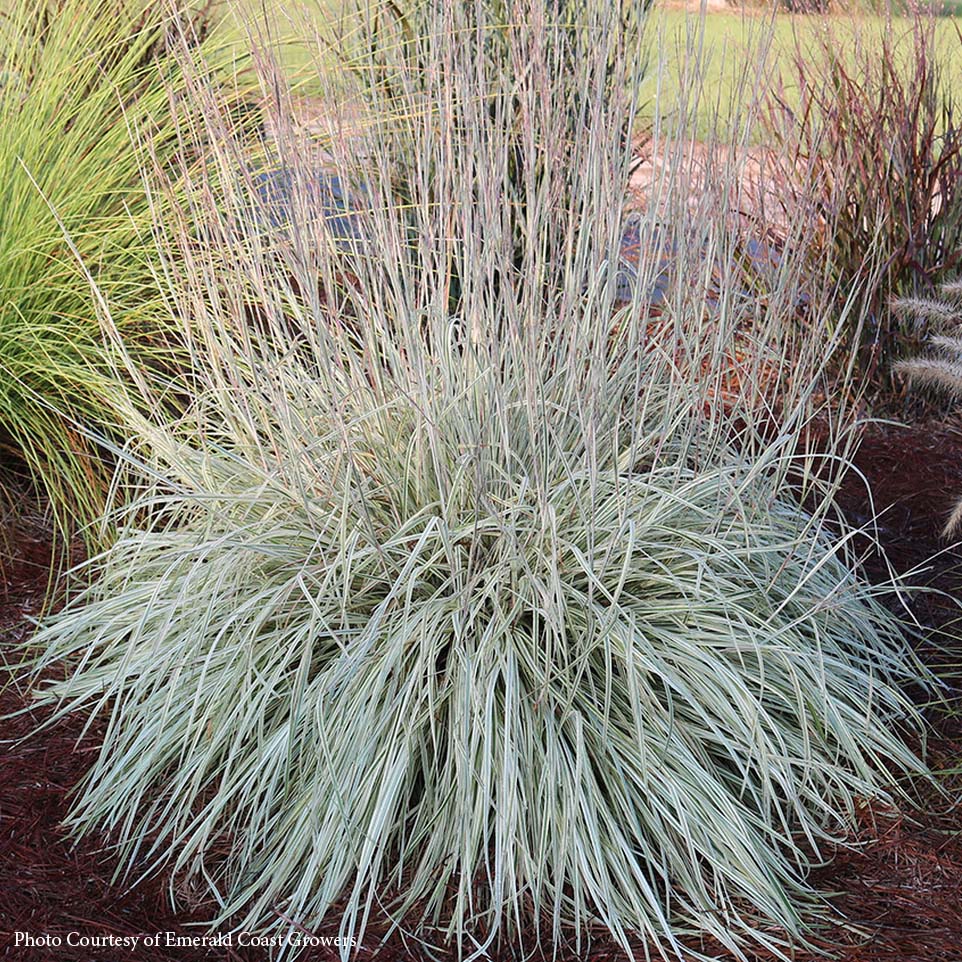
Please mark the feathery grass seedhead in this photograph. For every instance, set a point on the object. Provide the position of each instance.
(480, 605)
(940, 371)
(953, 291)
(936, 373)
(930, 314)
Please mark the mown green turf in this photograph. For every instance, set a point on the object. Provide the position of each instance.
(732, 43)
(287, 28)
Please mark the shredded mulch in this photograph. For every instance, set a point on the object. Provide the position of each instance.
(897, 887)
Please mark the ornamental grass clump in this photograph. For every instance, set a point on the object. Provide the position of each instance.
(877, 133)
(80, 84)
(477, 608)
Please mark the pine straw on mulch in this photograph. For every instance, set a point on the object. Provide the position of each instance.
(898, 890)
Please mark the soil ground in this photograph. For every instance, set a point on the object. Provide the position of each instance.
(898, 887)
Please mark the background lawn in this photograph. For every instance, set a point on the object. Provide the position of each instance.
(731, 64)
(732, 43)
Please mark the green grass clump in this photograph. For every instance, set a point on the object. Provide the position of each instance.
(80, 84)
(491, 606)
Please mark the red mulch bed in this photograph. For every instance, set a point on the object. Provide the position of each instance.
(900, 890)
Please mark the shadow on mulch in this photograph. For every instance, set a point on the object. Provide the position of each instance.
(900, 889)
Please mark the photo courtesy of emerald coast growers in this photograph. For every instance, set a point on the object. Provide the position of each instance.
(480, 480)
